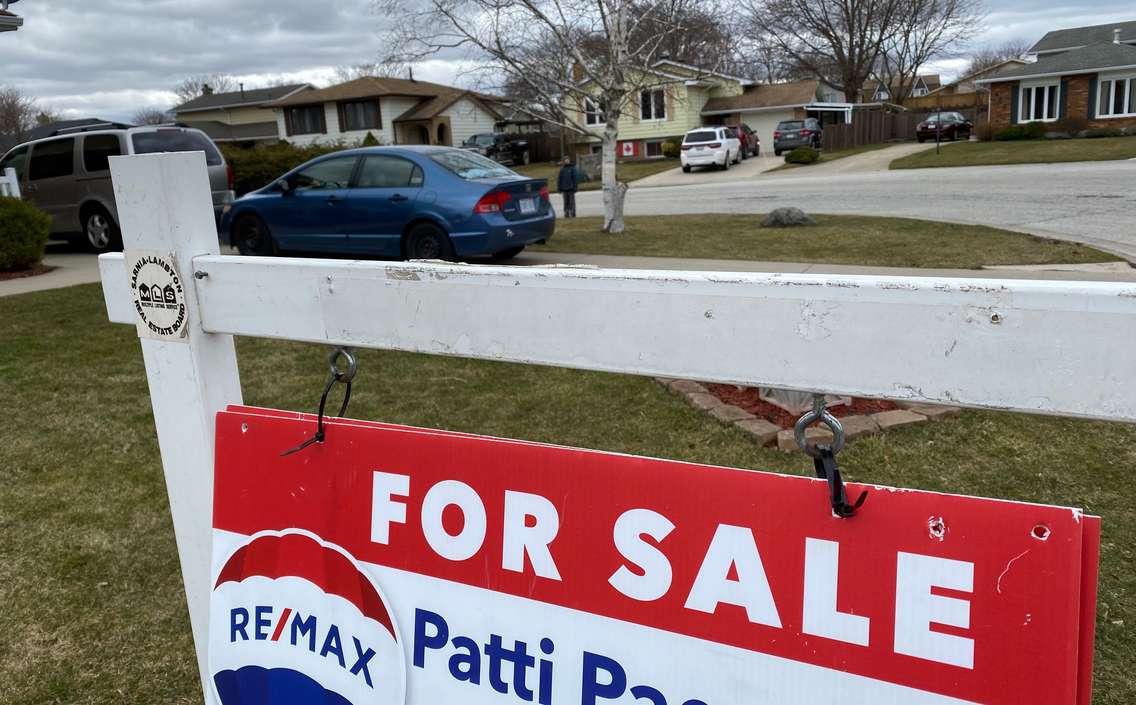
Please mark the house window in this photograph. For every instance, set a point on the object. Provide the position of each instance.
(653, 148)
(653, 105)
(1039, 103)
(305, 120)
(359, 115)
(1117, 97)
(918, 92)
(594, 112)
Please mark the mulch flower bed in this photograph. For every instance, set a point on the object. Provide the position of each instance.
(747, 398)
(22, 273)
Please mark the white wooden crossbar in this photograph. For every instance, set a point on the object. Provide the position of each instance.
(9, 184)
(1053, 347)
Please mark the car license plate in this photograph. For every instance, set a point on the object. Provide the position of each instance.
(528, 205)
(791, 135)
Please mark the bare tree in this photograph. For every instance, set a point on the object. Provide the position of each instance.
(990, 56)
(151, 116)
(586, 63)
(194, 86)
(835, 40)
(17, 114)
(378, 69)
(923, 30)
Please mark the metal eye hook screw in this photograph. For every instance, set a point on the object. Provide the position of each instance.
(336, 375)
(818, 413)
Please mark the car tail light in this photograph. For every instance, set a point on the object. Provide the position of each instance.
(231, 176)
(544, 193)
(776, 134)
(806, 133)
(714, 145)
(492, 202)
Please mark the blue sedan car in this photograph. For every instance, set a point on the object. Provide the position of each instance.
(410, 202)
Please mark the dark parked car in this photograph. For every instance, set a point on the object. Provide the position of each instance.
(949, 126)
(751, 143)
(412, 202)
(791, 134)
(499, 147)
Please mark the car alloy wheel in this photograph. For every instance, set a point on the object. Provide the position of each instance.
(98, 231)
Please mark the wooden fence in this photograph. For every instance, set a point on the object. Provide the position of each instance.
(875, 127)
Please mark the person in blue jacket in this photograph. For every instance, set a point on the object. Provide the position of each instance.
(567, 182)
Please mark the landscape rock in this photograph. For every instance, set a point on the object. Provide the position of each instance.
(685, 386)
(786, 218)
(730, 413)
(931, 411)
(859, 425)
(763, 431)
(899, 417)
(704, 401)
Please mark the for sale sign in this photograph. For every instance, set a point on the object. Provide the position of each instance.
(401, 565)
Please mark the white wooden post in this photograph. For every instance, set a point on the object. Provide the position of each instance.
(164, 203)
(9, 183)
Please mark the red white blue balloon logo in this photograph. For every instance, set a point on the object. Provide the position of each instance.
(296, 620)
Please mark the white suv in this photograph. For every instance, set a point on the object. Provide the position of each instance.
(710, 146)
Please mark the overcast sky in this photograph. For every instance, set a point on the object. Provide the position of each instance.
(111, 58)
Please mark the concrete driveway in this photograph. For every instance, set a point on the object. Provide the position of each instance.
(1089, 202)
(747, 169)
(863, 163)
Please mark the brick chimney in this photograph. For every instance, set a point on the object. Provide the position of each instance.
(206, 89)
(577, 72)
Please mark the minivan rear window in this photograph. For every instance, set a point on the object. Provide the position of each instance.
(702, 136)
(790, 125)
(176, 141)
(470, 165)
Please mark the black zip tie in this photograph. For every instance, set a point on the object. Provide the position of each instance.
(344, 377)
(826, 469)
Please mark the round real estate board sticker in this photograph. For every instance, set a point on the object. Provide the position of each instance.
(158, 295)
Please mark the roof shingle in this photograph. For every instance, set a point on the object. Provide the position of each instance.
(252, 97)
(765, 96)
(1094, 57)
(1082, 36)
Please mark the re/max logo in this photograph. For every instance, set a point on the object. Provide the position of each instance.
(302, 631)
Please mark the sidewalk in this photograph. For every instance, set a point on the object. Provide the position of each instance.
(73, 268)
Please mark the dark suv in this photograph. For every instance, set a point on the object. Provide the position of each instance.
(751, 143)
(791, 134)
(499, 147)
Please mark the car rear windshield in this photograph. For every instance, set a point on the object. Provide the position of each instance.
(703, 136)
(176, 141)
(791, 125)
(470, 166)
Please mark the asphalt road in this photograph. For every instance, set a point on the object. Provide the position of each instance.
(1089, 202)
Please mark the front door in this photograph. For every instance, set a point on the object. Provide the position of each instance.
(51, 183)
(311, 216)
(382, 203)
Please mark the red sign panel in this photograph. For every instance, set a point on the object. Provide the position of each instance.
(508, 570)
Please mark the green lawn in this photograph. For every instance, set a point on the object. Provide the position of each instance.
(93, 609)
(838, 154)
(1021, 152)
(836, 239)
(626, 171)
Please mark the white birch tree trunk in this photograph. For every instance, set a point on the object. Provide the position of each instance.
(614, 191)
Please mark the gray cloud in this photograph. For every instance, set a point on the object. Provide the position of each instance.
(110, 58)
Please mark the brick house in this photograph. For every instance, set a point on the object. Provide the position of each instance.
(1076, 76)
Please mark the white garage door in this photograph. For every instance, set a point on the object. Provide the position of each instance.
(764, 124)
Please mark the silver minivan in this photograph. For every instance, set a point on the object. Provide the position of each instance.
(67, 175)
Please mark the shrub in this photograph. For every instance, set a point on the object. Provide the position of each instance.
(369, 140)
(671, 149)
(1071, 125)
(1026, 131)
(802, 155)
(257, 167)
(23, 234)
(1103, 132)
